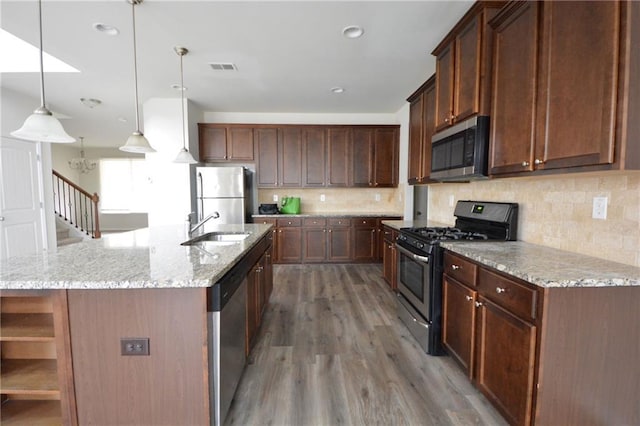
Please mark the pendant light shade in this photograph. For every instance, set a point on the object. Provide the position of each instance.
(42, 126)
(136, 143)
(184, 156)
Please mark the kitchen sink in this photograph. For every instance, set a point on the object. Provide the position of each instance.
(218, 238)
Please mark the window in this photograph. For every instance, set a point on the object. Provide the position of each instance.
(124, 186)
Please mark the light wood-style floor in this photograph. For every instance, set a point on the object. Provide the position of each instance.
(332, 351)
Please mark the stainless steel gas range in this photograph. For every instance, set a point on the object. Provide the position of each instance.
(420, 263)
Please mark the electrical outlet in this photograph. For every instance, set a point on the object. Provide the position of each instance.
(599, 208)
(275, 198)
(322, 198)
(377, 197)
(134, 346)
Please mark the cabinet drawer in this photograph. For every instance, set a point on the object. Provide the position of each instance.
(293, 221)
(389, 234)
(365, 222)
(518, 298)
(340, 222)
(314, 222)
(460, 269)
(265, 220)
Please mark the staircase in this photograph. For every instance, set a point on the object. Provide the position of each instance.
(64, 234)
(76, 210)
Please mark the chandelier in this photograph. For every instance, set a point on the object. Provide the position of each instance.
(82, 164)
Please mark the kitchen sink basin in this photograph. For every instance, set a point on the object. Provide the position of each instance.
(218, 238)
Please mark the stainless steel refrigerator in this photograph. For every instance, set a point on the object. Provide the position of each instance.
(226, 190)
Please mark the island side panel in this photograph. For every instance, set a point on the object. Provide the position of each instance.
(165, 387)
(589, 356)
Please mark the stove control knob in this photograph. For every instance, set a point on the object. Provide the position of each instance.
(420, 245)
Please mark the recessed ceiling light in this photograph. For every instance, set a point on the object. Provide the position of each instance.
(107, 29)
(90, 102)
(178, 87)
(337, 90)
(353, 31)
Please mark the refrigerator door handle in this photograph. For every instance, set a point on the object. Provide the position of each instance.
(200, 195)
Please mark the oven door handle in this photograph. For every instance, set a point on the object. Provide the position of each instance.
(414, 256)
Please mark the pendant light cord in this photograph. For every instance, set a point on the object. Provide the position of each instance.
(41, 56)
(135, 63)
(184, 143)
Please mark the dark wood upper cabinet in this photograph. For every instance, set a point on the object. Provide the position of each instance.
(213, 142)
(290, 156)
(463, 67)
(514, 85)
(421, 127)
(375, 156)
(267, 157)
(221, 142)
(338, 156)
(362, 157)
(577, 92)
(314, 156)
(385, 155)
(565, 87)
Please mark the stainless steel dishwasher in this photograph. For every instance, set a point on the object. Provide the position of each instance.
(227, 318)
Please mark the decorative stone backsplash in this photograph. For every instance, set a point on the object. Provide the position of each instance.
(555, 211)
(348, 200)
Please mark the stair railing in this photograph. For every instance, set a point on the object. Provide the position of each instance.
(75, 205)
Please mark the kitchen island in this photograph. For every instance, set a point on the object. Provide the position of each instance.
(68, 319)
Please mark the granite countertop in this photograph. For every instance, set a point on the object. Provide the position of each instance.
(328, 215)
(145, 258)
(547, 267)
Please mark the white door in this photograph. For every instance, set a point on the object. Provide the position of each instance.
(20, 211)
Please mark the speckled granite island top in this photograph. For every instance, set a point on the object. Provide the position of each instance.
(547, 267)
(145, 258)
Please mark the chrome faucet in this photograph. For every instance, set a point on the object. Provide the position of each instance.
(213, 215)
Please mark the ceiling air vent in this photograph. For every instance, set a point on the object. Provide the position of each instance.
(223, 66)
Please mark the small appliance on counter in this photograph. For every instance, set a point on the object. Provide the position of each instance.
(290, 205)
(268, 209)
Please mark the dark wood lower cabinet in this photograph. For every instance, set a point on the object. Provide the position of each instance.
(339, 243)
(317, 239)
(544, 356)
(390, 264)
(458, 329)
(506, 348)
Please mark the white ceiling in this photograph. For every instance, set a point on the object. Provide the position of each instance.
(289, 54)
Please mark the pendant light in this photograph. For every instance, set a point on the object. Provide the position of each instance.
(184, 156)
(42, 126)
(136, 143)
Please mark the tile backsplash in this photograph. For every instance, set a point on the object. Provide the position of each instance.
(340, 200)
(556, 211)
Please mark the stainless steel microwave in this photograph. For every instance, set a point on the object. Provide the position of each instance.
(460, 153)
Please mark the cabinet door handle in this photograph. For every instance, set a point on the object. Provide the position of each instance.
(537, 161)
(478, 304)
(455, 267)
(501, 290)
(324, 230)
(525, 164)
(329, 230)
(469, 298)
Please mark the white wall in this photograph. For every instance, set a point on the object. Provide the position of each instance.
(169, 198)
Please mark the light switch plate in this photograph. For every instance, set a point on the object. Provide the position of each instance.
(599, 208)
(322, 197)
(377, 196)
